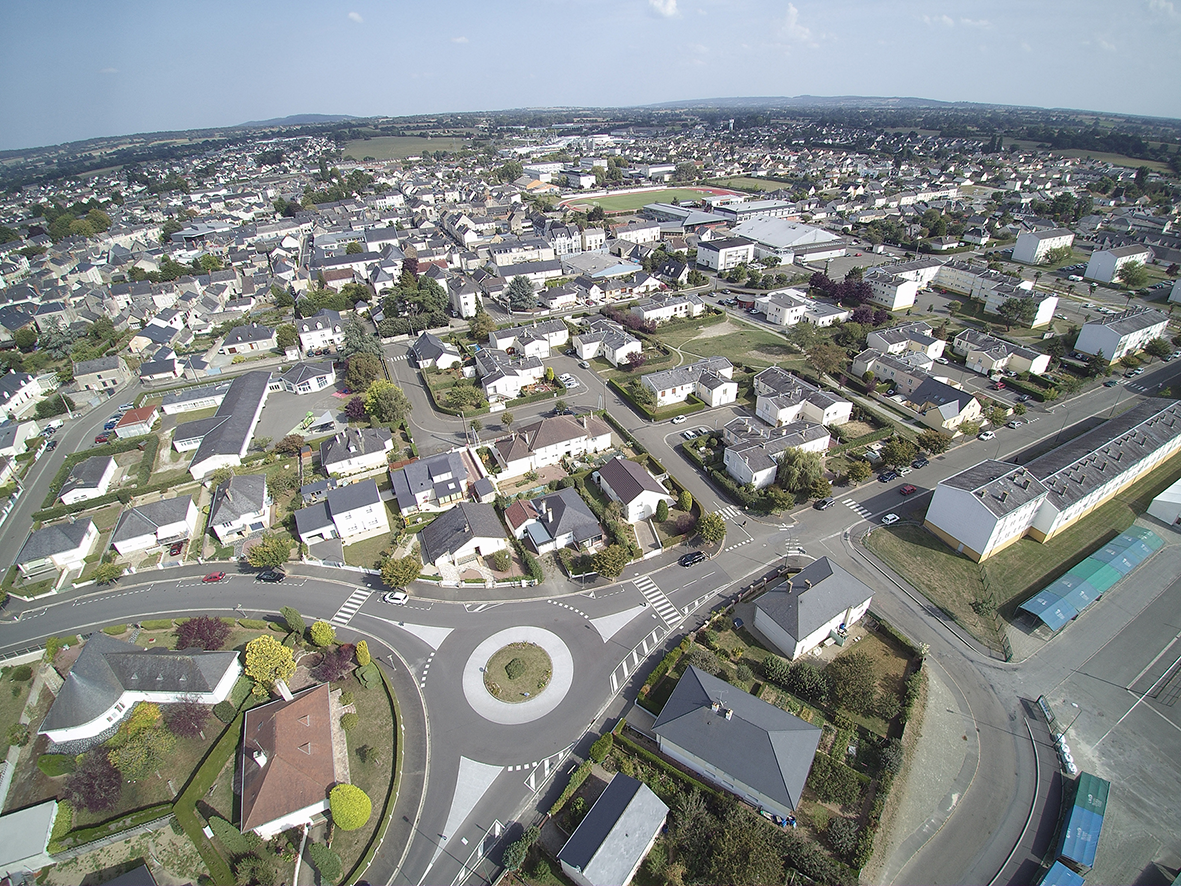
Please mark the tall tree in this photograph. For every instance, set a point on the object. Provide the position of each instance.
(520, 295)
(358, 340)
(387, 402)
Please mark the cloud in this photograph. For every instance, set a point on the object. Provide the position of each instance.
(356, 17)
(793, 30)
(108, 70)
(667, 8)
(1107, 47)
(1164, 7)
(1025, 47)
(459, 40)
(945, 20)
(981, 23)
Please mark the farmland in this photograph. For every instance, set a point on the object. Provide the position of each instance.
(389, 147)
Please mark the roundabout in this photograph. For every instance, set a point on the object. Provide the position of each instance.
(485, 673)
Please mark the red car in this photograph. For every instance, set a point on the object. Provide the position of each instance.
(176, 549)
(214, 576)
(908, 489)
(102, 438)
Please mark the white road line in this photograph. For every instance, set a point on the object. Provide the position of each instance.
(349, 608)
(663, 606)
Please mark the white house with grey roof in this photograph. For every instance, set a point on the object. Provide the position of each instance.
(429, 351)
(352, 513)
(462, 533)
(431, 483)
(110, 676)
(536, 340)
(1124, 333)
(504, 376)
(747, 746)
(155, 523)
(307, 378)
(1032, 247)
(800, 614)
(633, 487)
(753, 449)
(101, 374)
(987, 354)
(241, 507)
(1105, 264)
(355, 451)
(710, 379)
(607, 339)
(222, 439)
(323, 329)
(610, 843)
(782, 398)
(248, 339)
(555, 520)
(670, 307)
(57, 547)
(87, 480)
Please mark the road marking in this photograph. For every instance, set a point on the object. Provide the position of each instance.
(546, 765)
(730, 512)
(738, 544)
(655, 596)
(349, 608)
(859, 508)
(426, 667)
(571, 608)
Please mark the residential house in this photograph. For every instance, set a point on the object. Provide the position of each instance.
(751, 748)
(633, 487)
(537, 340)
(351, 513)
(709, 379)
(988, 354)
(548, 440)
(672, 307)
(725, 254)
(462, 533)
(355, 450)
(753, 449)
(431, 352)
(101, 374)
(88, 479)
(785, 307)
(503, 377)
(609, 844)
(907, 337)
(1124, 333)
(137, 422)
(161, 366)
(323, 329)
(892, 291)
(559, 519)
(241, 507)
(307, 378)
(943, 406)
(111, 676)
(431, 483)
(248, 339)
(58, 547)
(782, 399)
(157, 523)
(293, 753)
(800, 614)
(607, 339)
(19, 393)
(14, 437)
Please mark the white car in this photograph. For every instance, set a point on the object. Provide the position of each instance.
(679, 420)
(985, 435)
(890, 519)
(397, 597)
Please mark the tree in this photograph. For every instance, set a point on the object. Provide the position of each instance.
(827, 358)
(186, 718)
(220, 475)
(335, 663)
(685, 500)
(269, 551)
(842, 836)
(362, 653)
(291, 445)
(482, 325)
(712, 528)
(25, 338)
(898, 451)
(363, 370)
(397, 572)
(322, 633)
(143, 752)
(798, 471)
(202, 632)
(859, 471)
(611, 560)
(1021, 311)
(853, 682)
(1158, 348)
(350, 806)
(933, 442)
(519, 295)
(354, 409)
(685, 172)
(386, 402)
(476, 425)
(742, 853)
(354, 248)
(286, 336)
(506, 419)
(253, 869)
(108, 573)
(635, 360)
(326, 862)
(358, 340)
(1133, 275)
(268, 660)
(661, 511)
(95, 784)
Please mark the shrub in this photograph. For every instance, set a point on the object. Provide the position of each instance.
(745, 674)
(156, 624)
(55, 765)
(501, 560)
(577, 777)
(347, 698)
(322, 633)
(18, 734)
(95, 784)
(842, 836)
(21, 673)
(853, 683)
(295, 622)
(349, 721)
(350, 806)
(363, 656)
(834, 782)
(335, 664)
(225, 711)
(202, 632)
(251, 868)
(777, 670)
(661, 511)
(514, 668)
(326, 861)
(186, 718)
(890, 756)
(114, 630)
(704, 660)
(602, 747)
(236, 843)
(809, 682)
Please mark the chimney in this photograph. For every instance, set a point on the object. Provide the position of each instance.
(716, 707)
(807, 583)
(281, 688)
(729, 713)
(260, 757)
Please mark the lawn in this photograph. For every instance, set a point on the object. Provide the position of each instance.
(531, 672)
(749, 183)
(754, 347)
(634, 201)
(13, 696)
(392, 147)
(367, 553)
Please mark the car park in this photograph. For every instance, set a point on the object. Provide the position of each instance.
(890, 519)
(271, 575)
(679, 420)
(692, 558)
(887, 476)
(919, 463)
(824, 504)
(985, 435)
(908, 489)
(214, 577)
(398, 598)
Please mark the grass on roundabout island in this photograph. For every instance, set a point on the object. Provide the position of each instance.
(518, 672)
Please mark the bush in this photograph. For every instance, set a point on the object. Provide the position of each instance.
(363, 657)
(95, 784)
(577, 777)
(777, 670)
(202, 632)
(809, 682)
(225, 711)
(350, 806)
(21, 673)
(347, 698)
(514, 668)
(236, 843)
(326, 862)
(295, 622)
(349, 721)
(114, 630)
(834, 782)
(501, 560)
(602, 747)
(335, 664)
(251, 868)
(842, 836)
(322, 633)
(18, 734)
(186, 718)
(156, 624)
(745, 674)
(55, 765)
(704, 660)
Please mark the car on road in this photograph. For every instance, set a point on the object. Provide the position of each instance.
(1110, 383)
(692, 558)
(942, 360)
(583, 364)
(679, 419)
(890, 519)
(103, 438)
(1014, 424)
(985, 435)
(919, 463)
(50, 446)
(887, 476)
(908, 489)
(271, 575)
(126, 406)
(1023, 398)
(1139, 370)
(823, 504)
(997, 385)
(398, 598)
(176, 548)
(213, 577)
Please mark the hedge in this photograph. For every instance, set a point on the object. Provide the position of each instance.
(666, 664)
(577, 777)
(185, 807)
(624, 433)
(82, 836)
(156, 624)
(834, 782)
(667, 767)
(150, 445)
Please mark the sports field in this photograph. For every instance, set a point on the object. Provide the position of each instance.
(749, 183)
(392, 147)
(636, 200)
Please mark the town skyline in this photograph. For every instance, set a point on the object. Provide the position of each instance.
(138, 69)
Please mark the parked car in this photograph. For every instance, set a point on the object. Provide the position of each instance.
(271, 575)
(102, 438)
(998, 385)
(110, 426)
(176, 549)
(398, 598)
(689, 435)
(824, 504)
(1023, 398)
(679, 420)
(583, 364)
(1110, 383)
(908, 489)
(692, 558)
(126, 406)
(214, 577)
(985, 435)
(919, 463)
(50, 446)
(887, 476)
(890, 519)
(1014, 424)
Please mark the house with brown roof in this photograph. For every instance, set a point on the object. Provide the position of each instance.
(632, 486)
(548, 441)
(293, 754)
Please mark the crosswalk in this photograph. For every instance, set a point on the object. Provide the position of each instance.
(862, 510)
(349, 608)
(399, 358)
(739, 544)
(1139, 388)
(730, 512)
(656, 598)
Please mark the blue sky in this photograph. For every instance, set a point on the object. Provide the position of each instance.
(75, 70)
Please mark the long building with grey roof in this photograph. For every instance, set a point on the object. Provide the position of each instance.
(991, 505)
(222, 439)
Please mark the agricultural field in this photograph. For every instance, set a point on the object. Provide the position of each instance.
(389, 147)
(632, 202)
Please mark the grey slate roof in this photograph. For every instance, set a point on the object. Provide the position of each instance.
(145, 519)
(761, 746)
(564, 511)
(347, 498)
(87, 474)
(313, 519)
(238, 497)
(251, 334)
(1000, 486)
(812, 597)
(629, 480)
(106, 667)
(302, 372)
(352, 442)
(444, 473)
(609, 843)
(102, 364)
(230, 434)
(54, 539)
(454, 528)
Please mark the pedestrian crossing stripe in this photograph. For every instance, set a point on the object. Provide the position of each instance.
(349, 608)
(663, 606)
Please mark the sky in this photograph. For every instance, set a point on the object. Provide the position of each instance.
(77, 69)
